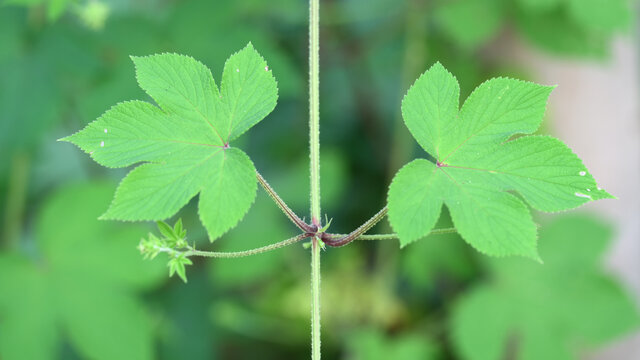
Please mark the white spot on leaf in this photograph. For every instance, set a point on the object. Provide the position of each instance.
(583, 173)
(105, 131)
(237, 70)
(101, 143)
(266, 68)
(583, 196)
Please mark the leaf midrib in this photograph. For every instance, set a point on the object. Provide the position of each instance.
(198, 110)
(481, 129)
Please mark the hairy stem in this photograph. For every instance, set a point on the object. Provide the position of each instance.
(315, 298)
(330, 239)
(314, 164)
(394, 236)
(314, 109)
(282, 205)
(237, 254)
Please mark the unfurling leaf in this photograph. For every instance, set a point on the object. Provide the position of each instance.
(476, 165)
(167, 230)
(183, 144)
(177, 264)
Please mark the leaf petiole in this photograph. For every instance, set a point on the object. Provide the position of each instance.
(330, 240)
(395, 236)
(238, 254)
(337, 240)
(282, 205)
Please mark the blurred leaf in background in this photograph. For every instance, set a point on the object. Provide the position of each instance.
(186, 332)
(29, 97)
(77, 281)
(570, 27)
(553, 311)
(58, 75)
(263, 225)
(292, 182)
(438, 261)
(470, 23)
(54, 8)
(371, 344)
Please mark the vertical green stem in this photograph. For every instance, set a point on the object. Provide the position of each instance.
(314, 109)
(315, 299)
(314, 154)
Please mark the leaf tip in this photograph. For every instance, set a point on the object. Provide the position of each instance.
(606, 195)
(134, 59)
(438, 66)
(538, 259)
(405, 241)
(107, 215)
(533, 255)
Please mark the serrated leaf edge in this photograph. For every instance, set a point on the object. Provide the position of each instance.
(250, 47)
(253, 200)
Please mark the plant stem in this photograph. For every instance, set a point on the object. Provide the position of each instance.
(314, 161)
(395, 236)
(282, 205)
(330, 239)
(237, 254)
(314, 109)
(315, 299)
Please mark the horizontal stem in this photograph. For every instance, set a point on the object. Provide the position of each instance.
(395, 236)
(331, 240)
(283, 206)
(238, 254)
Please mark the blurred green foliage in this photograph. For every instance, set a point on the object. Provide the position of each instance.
(550, 312)
(76, 281)
(62, 63)
(579, 27)
(370, 344)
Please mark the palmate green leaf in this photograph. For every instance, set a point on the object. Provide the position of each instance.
(551, 312)
(184, 144)
(475, 165)
(81, 288)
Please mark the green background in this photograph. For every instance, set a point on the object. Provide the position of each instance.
(73, 287)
